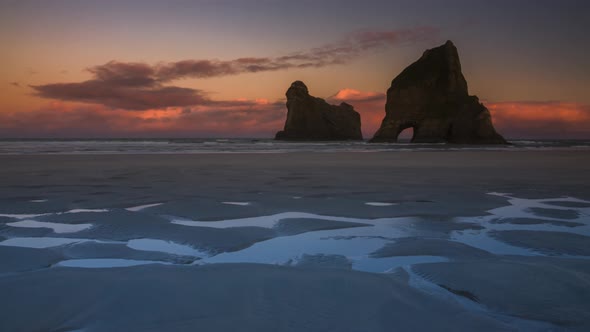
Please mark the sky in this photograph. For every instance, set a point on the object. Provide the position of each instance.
(220, 68)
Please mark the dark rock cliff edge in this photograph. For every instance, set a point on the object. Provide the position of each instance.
(431, 97)
(312, 118)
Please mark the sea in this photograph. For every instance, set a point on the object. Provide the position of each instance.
(254, 145)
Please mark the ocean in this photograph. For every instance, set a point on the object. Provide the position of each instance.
(253, 145)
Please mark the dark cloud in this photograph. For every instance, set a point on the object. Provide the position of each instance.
(116, 95)
(16, 84)
(125, 74)
(340, 52)
(215, 68)
(245, 104)
(140, 86)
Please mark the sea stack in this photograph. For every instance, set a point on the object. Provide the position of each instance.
(313, 119)
(431, 97)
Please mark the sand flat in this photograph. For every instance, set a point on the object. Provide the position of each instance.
(221, 297)
(165, 250)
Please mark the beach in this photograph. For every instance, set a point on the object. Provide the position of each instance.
(466, 239)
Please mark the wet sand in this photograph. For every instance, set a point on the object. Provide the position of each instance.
(420, 240)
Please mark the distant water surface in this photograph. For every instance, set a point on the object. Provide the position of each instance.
(241, 145)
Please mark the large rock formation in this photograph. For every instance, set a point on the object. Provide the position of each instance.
(311, 118)
(431, 97)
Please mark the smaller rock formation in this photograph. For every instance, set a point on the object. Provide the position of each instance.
(310, 118)
(431, 97)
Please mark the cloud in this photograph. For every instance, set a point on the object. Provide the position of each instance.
(115, 94)
(263, 118)
(541, 119)
(141, 86)
(125, 74)
(348, 94)
(236, 118)
(16, 84)
(339, 52)
(370, 105)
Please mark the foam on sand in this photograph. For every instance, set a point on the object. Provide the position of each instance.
(56, 227)
(270, 221)
(380, 204)
(165, 246)
(22, 216)
(40, 242)
(358, 243)
(142, 207)
(29, 216)
(482, 240)
(539, 208)
(236, 203)
(355, 244)
(86, 211)
(136, 244)
(523, 208)
(101, 263)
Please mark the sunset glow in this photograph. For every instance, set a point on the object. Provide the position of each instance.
(113, 80)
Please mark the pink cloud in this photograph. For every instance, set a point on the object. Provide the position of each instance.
(545, 119)
(246, 118)
(348, 94)
(370, 105)
(262, 118)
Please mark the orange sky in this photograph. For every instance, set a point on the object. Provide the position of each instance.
(77, 69)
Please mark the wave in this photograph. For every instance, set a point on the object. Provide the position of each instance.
(256, 145)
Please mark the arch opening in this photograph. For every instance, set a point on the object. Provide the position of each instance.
(406, 134)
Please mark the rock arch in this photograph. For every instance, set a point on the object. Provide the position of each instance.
(431, 95)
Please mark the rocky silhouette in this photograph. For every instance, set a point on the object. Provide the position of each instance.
(312, 118)
(431, 97)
